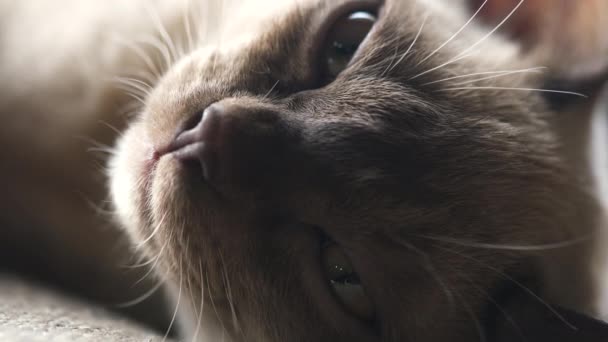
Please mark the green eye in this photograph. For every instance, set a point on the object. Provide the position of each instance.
(345, 283)
(344, 39)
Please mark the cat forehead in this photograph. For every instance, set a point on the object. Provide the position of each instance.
(241, 18)
(231, 27)
(247, 42)
(237, 22)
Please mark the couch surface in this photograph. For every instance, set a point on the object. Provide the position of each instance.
(32, 314)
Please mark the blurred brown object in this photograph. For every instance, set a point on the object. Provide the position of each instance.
(571, 37)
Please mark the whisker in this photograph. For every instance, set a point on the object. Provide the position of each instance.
(131, 109)
(138, 85)
(499, 73)
(134, 96)
(517, 283)
(202, 303)
(179, 297)
(164, 34)
(271, 90)
(139, 51)
(431, 269)
(154, 265)
(409, 49)
(480, 330)
(525, 71)
(141, 298)
(496, 28)
(455, 34)
(217, 314)
(505, 314)
(113, 128)
(140, 264)
(466, 51)
(100, 209)
(110, 151)
(519, 89)
(187, 25)
(154, 232)
(96, 146)
(162, 49)
(515, 248)
(226, 281)
(451, 61)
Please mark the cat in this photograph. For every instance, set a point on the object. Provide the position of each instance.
(311, 170)
(336, 172)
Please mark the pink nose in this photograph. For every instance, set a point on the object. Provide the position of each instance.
(199, 142)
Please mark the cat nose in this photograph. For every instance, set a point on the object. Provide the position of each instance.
(196, 143)
(231, 144)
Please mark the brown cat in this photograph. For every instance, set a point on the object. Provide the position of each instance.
(337, 172)
(303, 171)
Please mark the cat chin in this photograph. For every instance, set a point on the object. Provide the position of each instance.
(127, 169)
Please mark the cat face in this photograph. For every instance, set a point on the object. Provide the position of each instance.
(332, 171)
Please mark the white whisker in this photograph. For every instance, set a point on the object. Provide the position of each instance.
(517, 283)
(134, 86)
(154, 232)
(506, 315)
(493, 77)
(139, 98)
(164, 34)
(271, 90)
(431, 270)
(179, 297)
(515, 248)
(141, 298)
(217, 314)
(480, 331)
(202, 303)
(187, 25)
(154, 264)
(409, 49)
(470, 48)
(139, 51)
(518, 89)
(162, 49)
(110, 126)
(496, 28)
(499, 73)
(454, 35)
(443, 65)
(146, 262)
(226, 281)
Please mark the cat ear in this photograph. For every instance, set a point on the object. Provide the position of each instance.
(525, 318)
(569, 37)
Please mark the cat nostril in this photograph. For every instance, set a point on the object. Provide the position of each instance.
(197, 142)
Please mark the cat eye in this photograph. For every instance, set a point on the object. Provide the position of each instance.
(344, 39)
(345, 282)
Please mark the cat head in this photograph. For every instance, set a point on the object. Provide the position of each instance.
(344, 170)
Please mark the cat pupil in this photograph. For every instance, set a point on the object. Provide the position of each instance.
(345, 49)
(347, 279)
(344, 40)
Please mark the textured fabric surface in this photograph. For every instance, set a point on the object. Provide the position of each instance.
(31, 314)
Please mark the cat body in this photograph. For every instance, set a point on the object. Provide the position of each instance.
(427, 161)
